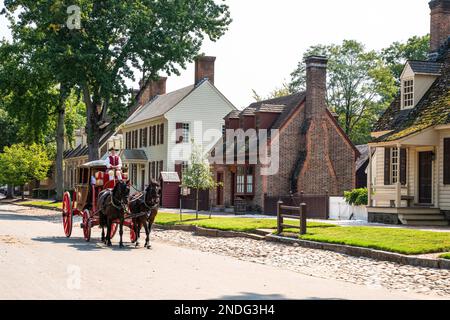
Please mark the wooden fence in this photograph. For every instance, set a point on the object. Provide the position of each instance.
(188, 202)
(318, 205)
(285, 212)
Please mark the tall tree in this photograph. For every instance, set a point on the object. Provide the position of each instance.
(396, 55)
(360, 86)
(112, 40)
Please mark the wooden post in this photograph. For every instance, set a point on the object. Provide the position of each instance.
(279, 218)
(398, 190)
(369, 178)
(303, 220)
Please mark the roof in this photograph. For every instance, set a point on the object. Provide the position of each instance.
(432, 110)
(285, 106)
(426, 67)
(137, 155)
(95, 164)
(82, 151)
(170, 177)
(363, 157)
(159, 105)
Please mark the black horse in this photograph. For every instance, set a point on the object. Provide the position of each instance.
(112, 206)
(145, 207)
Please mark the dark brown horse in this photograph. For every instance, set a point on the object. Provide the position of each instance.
(112, 206)
(146, 208)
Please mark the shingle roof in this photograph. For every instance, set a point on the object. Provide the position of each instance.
(284, 105)
(137, 155)
(363, 157)
(159, 105)
(426, 67)
(432, 110)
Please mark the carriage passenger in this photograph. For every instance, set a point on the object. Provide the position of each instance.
(114, 165)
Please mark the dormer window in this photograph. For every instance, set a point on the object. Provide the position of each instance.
(408, 93)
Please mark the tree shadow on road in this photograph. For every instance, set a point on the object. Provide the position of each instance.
(81, 245)
(22, 217)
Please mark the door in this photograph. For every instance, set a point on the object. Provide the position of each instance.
(220, 189)
(426, 177)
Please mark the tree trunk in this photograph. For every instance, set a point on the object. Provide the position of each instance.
(22, 190)
(196, 204)
(10, 193)
(93, 132)
(60, 131)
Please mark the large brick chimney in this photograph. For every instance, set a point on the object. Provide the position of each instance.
(204, 68)
(316, 86)
(152, 89)
(440, 23)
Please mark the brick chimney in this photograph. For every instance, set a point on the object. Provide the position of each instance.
(440, 23)
(316, 86)
(152, 89)
(204, 68)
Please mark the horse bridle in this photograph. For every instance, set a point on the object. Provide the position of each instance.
(121, 206)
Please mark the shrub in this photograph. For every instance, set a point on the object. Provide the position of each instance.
(357, 197)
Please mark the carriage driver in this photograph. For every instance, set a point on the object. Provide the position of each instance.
(114, 164)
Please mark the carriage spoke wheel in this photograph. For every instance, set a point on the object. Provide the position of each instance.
(67, 215)
(87, 225)
(133, 237)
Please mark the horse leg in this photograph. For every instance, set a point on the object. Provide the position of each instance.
(121, 232)
(103, 234)
(137, 227)
(147, 232)
(108, 232)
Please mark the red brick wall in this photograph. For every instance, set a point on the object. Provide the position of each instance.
(440, 22)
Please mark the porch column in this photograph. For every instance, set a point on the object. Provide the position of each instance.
(399, 183)
(369, 178)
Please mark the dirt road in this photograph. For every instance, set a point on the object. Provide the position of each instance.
(38, 262)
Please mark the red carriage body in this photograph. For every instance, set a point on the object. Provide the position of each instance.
(83, 202)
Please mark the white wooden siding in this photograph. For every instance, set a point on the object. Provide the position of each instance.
(204, 105)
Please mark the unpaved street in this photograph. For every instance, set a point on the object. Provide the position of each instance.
(38, 262)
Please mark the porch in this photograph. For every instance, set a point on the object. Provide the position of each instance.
(403, 181)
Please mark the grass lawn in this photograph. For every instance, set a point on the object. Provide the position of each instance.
(225, 224)
(45, 204)
(410, 242)
(446, 256)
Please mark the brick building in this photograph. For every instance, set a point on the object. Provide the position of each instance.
(316, 156)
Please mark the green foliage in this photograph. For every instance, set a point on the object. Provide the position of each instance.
(116, 39)
(284, 90)
(360, 86)
(21, 164)
(396, 55)
(198, 175)
(357, 197)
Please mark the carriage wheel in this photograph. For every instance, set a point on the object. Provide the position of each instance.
(133, 237)
(86, 225)
(67, 215)
(114, 228)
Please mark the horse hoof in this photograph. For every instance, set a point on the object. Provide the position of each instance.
(121, 245)
(149, 246)
(110, 244)
(137, 244)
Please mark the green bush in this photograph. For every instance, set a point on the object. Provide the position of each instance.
(357, 197)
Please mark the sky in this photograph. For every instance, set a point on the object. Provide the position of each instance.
(267, 38)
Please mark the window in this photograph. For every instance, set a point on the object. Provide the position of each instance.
(394, 165)
(161, 133)
(134, 174)
(144, 137)
(141, 138)
(154, 135)
(245, 180)
(408, 93)
(182, 133)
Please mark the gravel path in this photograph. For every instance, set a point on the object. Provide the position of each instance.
(317, 263)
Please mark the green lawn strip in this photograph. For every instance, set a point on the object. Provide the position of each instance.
(44, 204)
(410, 242)
(445, 256)
(225, 224)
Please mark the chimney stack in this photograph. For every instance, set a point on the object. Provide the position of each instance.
(204, 68)
(440, 23)
(152, 89)
(316, 86)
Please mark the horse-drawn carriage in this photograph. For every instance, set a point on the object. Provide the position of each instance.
(92, 180)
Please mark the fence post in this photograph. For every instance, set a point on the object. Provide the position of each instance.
(328, 204)
(279, 218)
(303, 220)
